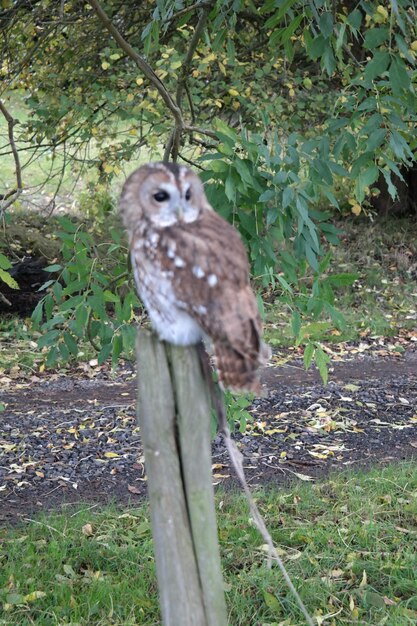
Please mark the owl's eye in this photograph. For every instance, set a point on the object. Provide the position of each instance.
(188, 194)
(161, 196)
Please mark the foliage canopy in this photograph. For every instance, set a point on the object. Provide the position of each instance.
(285, 106)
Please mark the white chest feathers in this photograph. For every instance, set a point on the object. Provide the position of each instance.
(168, 317)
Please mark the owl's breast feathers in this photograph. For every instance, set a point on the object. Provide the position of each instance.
(208, 266)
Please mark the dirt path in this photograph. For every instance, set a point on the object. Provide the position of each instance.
(74, 440)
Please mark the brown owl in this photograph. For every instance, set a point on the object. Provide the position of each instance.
(192, 272)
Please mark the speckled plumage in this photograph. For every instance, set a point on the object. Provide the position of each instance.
(191, 271)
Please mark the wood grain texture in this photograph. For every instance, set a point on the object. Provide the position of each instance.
(174, 416)
(178, 580)
(194, 411)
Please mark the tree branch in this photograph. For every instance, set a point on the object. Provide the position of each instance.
(189, 56)
(193, 7)
(140, 62)
(12, 195)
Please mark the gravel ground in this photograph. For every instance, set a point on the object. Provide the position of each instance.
(74, 440)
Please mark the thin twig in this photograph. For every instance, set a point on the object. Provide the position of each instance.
(193, 7)
(5, 300)
(200, 131)
(19, 185)
(186, 64)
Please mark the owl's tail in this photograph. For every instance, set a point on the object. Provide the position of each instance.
(239, 372)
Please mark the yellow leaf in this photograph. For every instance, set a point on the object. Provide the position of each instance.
(105, 65)
(382, 11)
(233, 92)
(94, 130)
(413, 46)
(235, 105)
(35, 595)
(130, 97)
(112, 455)
(139, 81)
(292, 93)
(208, 59)
(42, 368)
(222, 68)
(87, 530)
(364, 580)
(108, 168)
(356, 209)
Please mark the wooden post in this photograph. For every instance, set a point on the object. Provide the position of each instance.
(174, 417)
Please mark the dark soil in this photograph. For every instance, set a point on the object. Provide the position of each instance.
(76, 440)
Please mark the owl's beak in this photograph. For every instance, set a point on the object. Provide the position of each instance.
(180, 212)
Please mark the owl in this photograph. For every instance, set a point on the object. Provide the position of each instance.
(191, 271)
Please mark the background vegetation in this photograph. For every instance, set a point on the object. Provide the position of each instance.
(292, 111)
(356, 556)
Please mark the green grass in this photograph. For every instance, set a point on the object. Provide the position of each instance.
(348, 543)
(42, 169)
(383, 301)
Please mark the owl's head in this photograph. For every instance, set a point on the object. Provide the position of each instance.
(163, 193)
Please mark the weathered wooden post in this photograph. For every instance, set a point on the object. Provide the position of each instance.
(174, 417)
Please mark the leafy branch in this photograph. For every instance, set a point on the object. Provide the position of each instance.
(174, 105)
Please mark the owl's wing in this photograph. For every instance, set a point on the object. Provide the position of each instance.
(211, 281)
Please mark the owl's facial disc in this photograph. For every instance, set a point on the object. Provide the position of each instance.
(171, 205)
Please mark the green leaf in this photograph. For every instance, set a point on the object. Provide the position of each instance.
(322, 360)
(317, 47)
(272, 602)
(308, 354)
(36, 316)
(398, 75)
(295, 323)
(53, 268)
(104, 353)
(365, 179)
(375, 37)
(326, 24)
(392, 190)
(116, 349)
(376, 139)
(48, 339)
(4, 262)
(243, 171)
(355, 19)
(6, 278)
(342, 280)
(311, 257)
(287, 197)
(14, 598)
(377, 66)
(71, 343)
(52, 357)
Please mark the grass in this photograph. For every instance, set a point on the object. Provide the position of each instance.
(348, 543)
(383, 301)
(42, 169)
